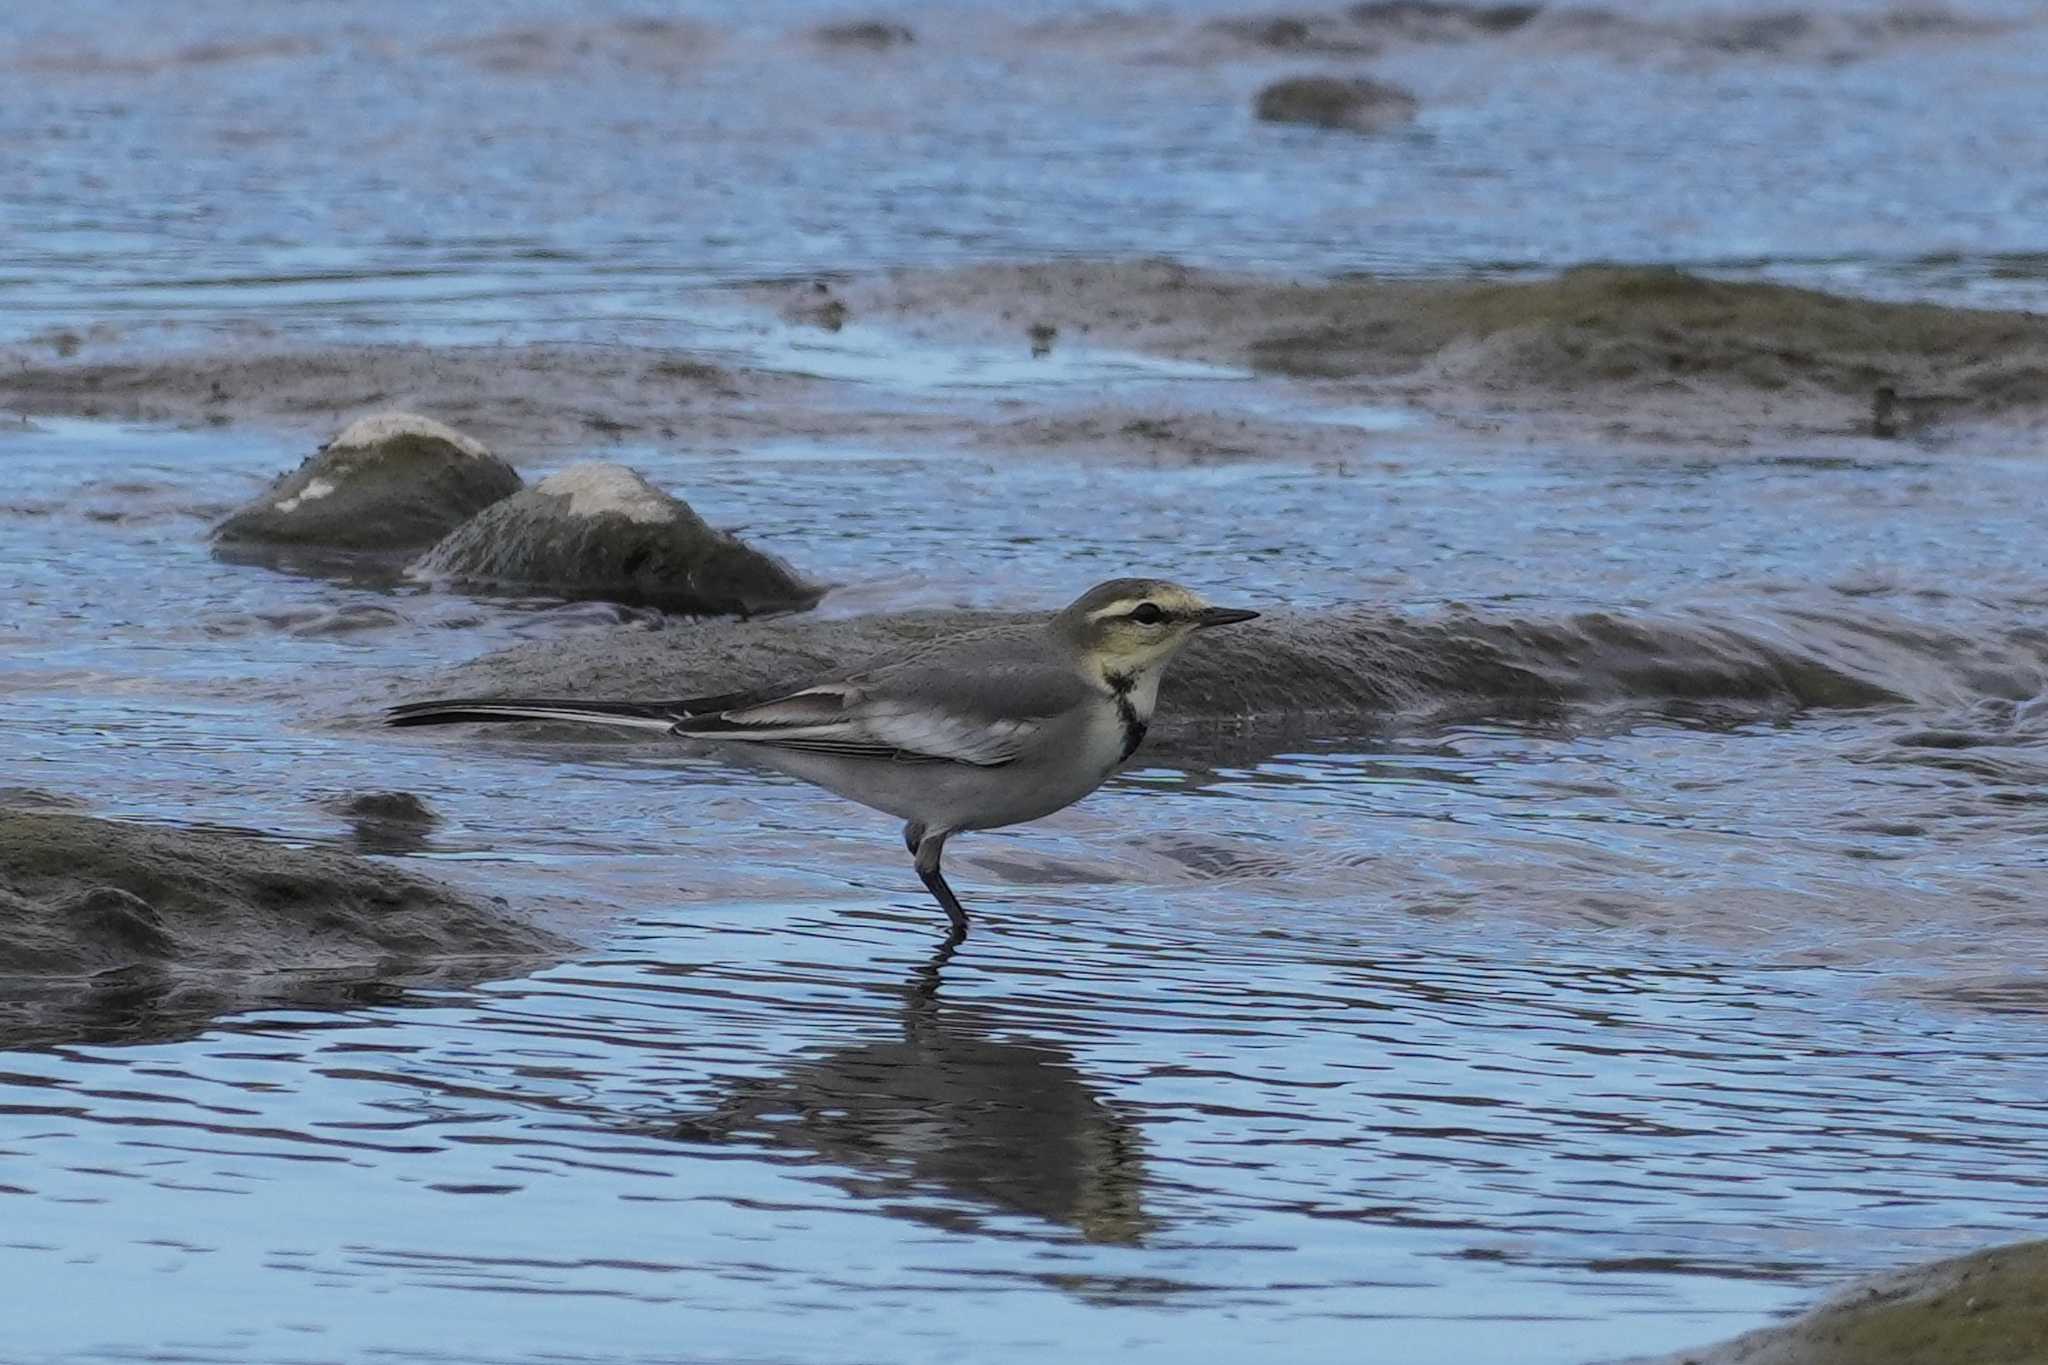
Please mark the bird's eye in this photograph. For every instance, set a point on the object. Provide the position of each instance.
(1147, 614)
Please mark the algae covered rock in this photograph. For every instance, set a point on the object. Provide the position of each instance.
(1354, 104)
(1987, 1308)
(600, 531)
(394, 481)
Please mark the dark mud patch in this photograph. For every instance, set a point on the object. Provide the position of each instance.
(79, 57)
(642, 44)
(1304, 34)
(1294, 675)
(1537, 31)
(1988, 1308)
(1788, 33)
(1437, 21)
(1168, 434)
(1648, 347)
(89, 906)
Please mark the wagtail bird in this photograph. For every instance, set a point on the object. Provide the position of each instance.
(990, 728)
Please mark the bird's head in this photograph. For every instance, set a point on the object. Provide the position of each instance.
(1130, 626)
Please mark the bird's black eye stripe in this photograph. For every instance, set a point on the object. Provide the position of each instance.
(1147, 614)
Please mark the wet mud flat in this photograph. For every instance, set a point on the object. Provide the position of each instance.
(1607, 354)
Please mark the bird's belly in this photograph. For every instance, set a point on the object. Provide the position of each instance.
(960, 795)
(1054, 778)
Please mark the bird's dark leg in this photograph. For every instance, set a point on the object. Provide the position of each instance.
(928, 847)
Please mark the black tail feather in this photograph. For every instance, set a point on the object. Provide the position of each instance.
(640, 715)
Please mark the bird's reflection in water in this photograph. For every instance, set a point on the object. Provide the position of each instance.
(951, 1109)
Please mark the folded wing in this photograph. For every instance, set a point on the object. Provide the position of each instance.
(847, 720)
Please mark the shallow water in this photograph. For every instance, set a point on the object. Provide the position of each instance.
(1487, 1042)
(569, 170)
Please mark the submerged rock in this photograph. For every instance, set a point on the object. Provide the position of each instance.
(1335, 672)
(601, 531)
(82, 897)
(1357, 104)
(395, 481)
(398, 807)
(1988, 1308)
(387, 822)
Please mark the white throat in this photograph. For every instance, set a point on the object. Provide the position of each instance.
(1143, 692)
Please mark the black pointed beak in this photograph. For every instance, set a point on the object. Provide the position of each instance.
(1222, 616)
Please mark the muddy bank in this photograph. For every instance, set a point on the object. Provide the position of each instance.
(1988, 1308)
(1624, 353)
(1644, 345)
(1331, 674)
(519, 400)
(88, 905)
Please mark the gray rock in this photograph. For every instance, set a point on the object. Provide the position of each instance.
(601, 531)
(1355, 104)
(82, 897)
(395, 481)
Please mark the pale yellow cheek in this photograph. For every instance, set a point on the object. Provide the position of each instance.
(1130, 651)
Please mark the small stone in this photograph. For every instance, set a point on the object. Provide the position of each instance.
(392, 822)
(1354, 104)
(876, 35)
(394, 806)
(393, 481)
